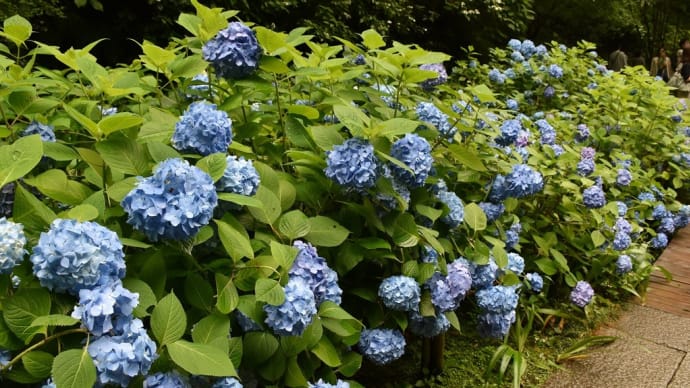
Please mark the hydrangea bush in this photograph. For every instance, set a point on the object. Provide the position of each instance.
(250, 206)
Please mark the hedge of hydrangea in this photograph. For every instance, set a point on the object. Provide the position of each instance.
(370, 198)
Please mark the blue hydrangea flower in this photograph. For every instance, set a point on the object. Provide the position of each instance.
(623, 264)
(441, 77)
(382, 346)
(227, 382)
(415, 152)
(622, 225)
(497, 77)
(546, 132)
(514, 44)
(492, 210)
(523, 181)
(509, 132)
(549, 92)
(624, 177)
(621, 241)
(492, 325)
(592, 86)
(585, 167)
(352, 164)
(461, 107)
(659, 241)
(482, 275)
(512, 104)
(239, 177)
(509, 73)
(428, 327)
(296, 313)
(389, 201)
(456, 209)
(594, 197)
(659, 212)
(555, 71)
(541, 50)
(499, 189)
(516, 263)
(582, 294)
(120, 358)
(49, 384)
(536, 282)
(557, 150)
(448, 291)
(166, 380)
(497, 299)
(517, 56)
(622, 208)
(429, 113)
(323, 384)
(200, 82)
(203, 129)
(6, 199)
(646, 196)
(47, 132)
(246, 324)
(105, 308)
(314, 271)
(5, 357)
(359, 60)
(522, 139)
(12, 241)
(681, 220)
(234, 52)
(174, 203)
(401, 293)
(428, 255)
(667, 225)
(527, 48)
(513, 235)
(75, 255)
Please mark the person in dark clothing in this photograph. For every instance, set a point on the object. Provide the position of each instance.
(684, 89)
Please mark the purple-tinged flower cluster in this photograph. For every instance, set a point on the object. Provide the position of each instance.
(234, 52)
(203, 129)
(593, 197)
(555, 71)
(12, 241)
(315, 272)
(667, 225)
(623, 264)
(429, 113)
(659, 212)
(239, 177)
(536, 282)
(296, 313)
(513, 235)
(441, 76)
(173, 203)
(492, 325)
(585, 166)
(352, 164)
(428, 255)
(523, 181)
(400, 293)
(428, 327)
(546, 131)
(483, 275)
(382, 346)
(415, 152)
(498, 305)
(448, 291)
(623, 177)
(549, 92)
(227, 382)
(621, 241)
(582, 294)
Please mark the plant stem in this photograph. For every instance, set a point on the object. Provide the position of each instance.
(39, 344)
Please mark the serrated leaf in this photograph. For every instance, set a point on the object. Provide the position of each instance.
(38, 363)
(146, 296)
(214, 165)
(269, 212)
(474, 217)
(240, 199)
(227, 295)
(326, 352)
(234, 238)
(326, 232)
(201, 359)
(259, 347)
(269, 291)
(294, 224)
(54, 320)
(598, 238)
(168, 320)
(19, 158)
(23, 308)
(211, 328)
(125, 155)
(74, 369)
(119, 121)
(56, 184)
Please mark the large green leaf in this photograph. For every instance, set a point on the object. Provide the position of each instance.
(211, 328)
(326, 232)
(57, 185)
(269, 291)
(201, 359)
(294, 224)
(227, 295)
(474, 217)
(30, 212)
(38, 363)
(19, 158)
(168, 320)
(146, 296)
(234, 238)
(125, 155)
(118, 121)
(326, 352)
(17, 29)
(269, 212)
(74, 369)
(259, 347)
(21, 309)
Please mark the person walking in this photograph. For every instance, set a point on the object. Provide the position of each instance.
(661, 66)
(618, 60)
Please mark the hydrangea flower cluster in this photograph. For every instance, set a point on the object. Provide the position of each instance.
(352, 164)
(659, 212)
(166, 380)
(492, 210)
(498, 190)
(389, 201)
(624, 177)
(585, 166)
(227, 382)
(549, 92)
(200, 82)
(456, 208)
(493, 325)
(516, 263)
(47, 132)
(512, 104)
(497, 77)
(509, 132)
(428, 255)
(441, 77)
(174, 203)
(314, 271)
(323, 384)
(582, 294)
(382, 346)
(246, 324)
(12, 241)
(498, 305)
(546, 132)
(119, 358)
(536, 282)
(429, 113)
(5, 357)
(448, 291)
(483, 275)
(239, 177)
(428, 327)
(621, 241)
(401, 293)
(203, 129)
(415, 152)
(513, 235)
(234, 52)
(555, 71)
(106, 308)
(523, 181)
(593, 197)
(660, 241)
(622, 208)
(623, 264)
(6, 200)
(73, 256)
(296, 313)
(667, 225)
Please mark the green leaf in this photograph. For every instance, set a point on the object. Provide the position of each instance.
(240, 199)
(293, 374)
(17, 29)
(352, 362)
(404, 231)
(119, 121)
(395, 127)
(228, 297)
(168, 320)
(326, 352)
(125, 155)
(187, 67)
(560, 260)
(119, 190)
(500, 256)
(234, 238)
(214, 165)
(74, 369)
(59, 152)
(598, 238)
(269, 291)
(160, 128)
(453, 319)
(273, 65)
(19, 158)
(372, 40)
(351, 117)
(30, 212)
(201, 359)
(284, 255)
(38, 363)
(146, 296)
(83, 213)
(270, 210)
(236, 350)
(85, 122)
(326, 232)
(474, 217)
(159, 151)
(55, 184)
(294, 224)
(22, 308)
(259, 347)
(198, 292)
(54, 320)
(547, 266)
(467, 156)
(211, 328)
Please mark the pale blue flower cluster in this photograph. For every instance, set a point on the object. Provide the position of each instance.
(667, 225)
(428, 255)
(514, 44)
(12, 241)
(498, 305)
(483, 275)
(173, 203)
(517, 56)
(546, 131)
(200, 82)
(227, 382)
(119, 358)
(512, 104)
(646, 196)
(76, 255)
(166, 380)
(441, 77)
(555, 71)
(585, 166)
(105, 308)
(621, 241)
(593, 197)
(516, 263)
(492, 210)
(456, 209)
(494, 325)
(323, 384)
(428, 327)
(428, 112)
(582, 294)
(622, 208)
(660, 241)
(582, 133)
(523, 181)
(659, 212)
(513, 235)
(5, 357)
(400, 293)
(6, 200)
(382, 346)
(536, 282)
(549, 92)
(510, 129)
(359, 60)
(352, 164)
(47, 132)
(448, 291)
(239, 177)
(415, 152)
(203, 129)
(315, 272)
(497, 77)
(498, 190)
(296, 313)
(623, 177)
(623, 264)
(234, 52)
(389, 201)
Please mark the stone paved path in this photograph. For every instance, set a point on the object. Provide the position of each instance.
(653, 336)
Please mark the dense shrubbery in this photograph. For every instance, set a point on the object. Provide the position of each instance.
(199, 221)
